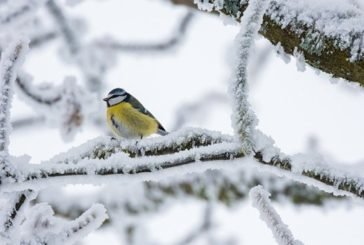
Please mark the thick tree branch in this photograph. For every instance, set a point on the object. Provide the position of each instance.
(339, 55)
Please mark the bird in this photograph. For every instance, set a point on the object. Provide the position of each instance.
(128, 118)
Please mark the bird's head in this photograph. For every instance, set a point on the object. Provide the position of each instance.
(116, 96)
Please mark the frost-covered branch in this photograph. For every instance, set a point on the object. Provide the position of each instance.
(243, 118)
(12, 14)
(330, 36)
(226, 187)
(83, 225)
(45, 96)
(65, 28)
(173, 41)
(91, 164)
(86, 57)
(15, 205)
(269, 215)
(26, 122)
(65, 106)
(189, 111)
(42, 227)
(10, 62)
(11, 59)
(40, 39)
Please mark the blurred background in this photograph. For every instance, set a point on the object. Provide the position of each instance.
(177, 62)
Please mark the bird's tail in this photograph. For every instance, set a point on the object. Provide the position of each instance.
(162, 132)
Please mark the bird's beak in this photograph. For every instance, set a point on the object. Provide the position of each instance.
(106, 98)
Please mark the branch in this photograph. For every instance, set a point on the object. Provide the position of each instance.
(19, 13)
(223, 186)
(269, 215)
(329, 38)
(243, 118)
(65, 29)
(42, 227)
(26, 122)
(120, 164)
(10, 61)
(173, 41)
(82, 226)
(75, 49)
(195, 109)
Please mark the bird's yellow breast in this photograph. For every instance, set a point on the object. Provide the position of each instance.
(132, 123)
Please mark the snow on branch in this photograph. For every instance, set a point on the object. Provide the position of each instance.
(243, 119)
(18, 11)
(104, 147)
(11, 219)
(40, 226)
(65, 106)
(328, 34)
(168, 44)
(10, 62)
(91, 164)
(227, 187)
(269, 215)
(64, 26)
(82, 226)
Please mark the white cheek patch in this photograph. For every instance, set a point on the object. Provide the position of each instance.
(116, 100)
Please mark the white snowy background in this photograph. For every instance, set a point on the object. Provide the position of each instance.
(301, 111)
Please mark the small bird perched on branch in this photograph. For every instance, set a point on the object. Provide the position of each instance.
(128, 118)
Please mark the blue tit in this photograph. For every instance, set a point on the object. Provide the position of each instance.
(128, 118)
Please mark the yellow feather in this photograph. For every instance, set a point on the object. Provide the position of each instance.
(136, 122)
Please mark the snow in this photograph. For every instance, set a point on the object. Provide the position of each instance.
(281, 232)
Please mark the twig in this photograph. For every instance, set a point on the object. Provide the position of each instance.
(269, 215)
(243, 119)
(147, 47)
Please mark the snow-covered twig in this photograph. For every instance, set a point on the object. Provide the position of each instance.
(173, 41)
(97, 168)
(104, 147)
(269, 215)
(42, 227)
(15, 204)
(243, 118)
(10, 62)
(15, 13)
(89, 221)
(62, 105)
(41, 39)
(80, 54)
(205, 226)
(65, 29)
(189, 111)
(26, 122)
(43, 96)
(226, 187)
